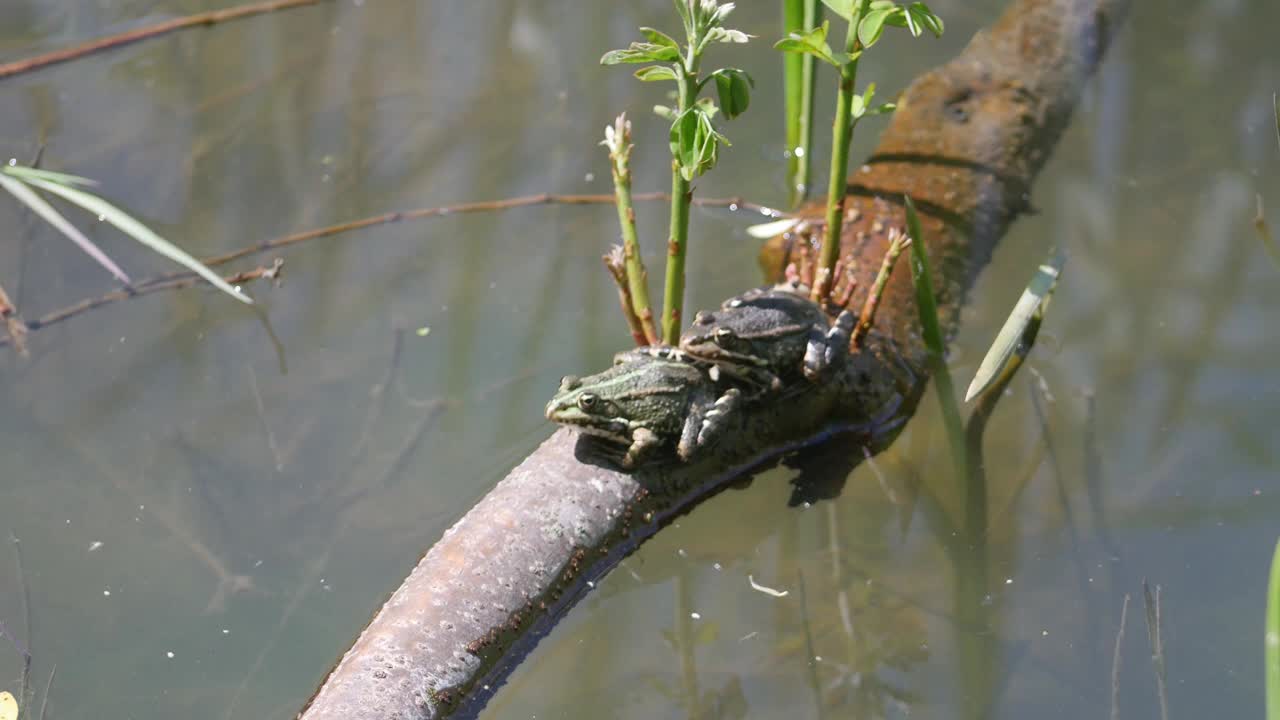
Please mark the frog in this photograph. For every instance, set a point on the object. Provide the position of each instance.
(645, 402)
(768, 336)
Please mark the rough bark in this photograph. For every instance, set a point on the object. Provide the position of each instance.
(965, 143)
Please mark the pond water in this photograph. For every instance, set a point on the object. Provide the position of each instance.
(211, 502)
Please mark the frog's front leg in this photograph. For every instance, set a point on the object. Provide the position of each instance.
(824, 351)
(706, 424)
(643, 442)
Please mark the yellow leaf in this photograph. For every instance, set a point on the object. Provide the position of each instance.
(8, 707)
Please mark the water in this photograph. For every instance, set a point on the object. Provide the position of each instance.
(183, 483)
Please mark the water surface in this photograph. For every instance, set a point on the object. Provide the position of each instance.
(211, 502)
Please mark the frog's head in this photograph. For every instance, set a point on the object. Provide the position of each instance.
(643, 391)
(576, 404)
(725, 335)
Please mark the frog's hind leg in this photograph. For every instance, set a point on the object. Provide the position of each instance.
(702, 429)
(825, 350)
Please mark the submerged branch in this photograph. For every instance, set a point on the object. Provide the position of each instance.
(110, 42)
(146, 287)
(510, 568)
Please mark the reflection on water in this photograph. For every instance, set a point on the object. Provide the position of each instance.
(202, 532)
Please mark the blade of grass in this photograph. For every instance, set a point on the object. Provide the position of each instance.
(928, 308)
(139, 232)
(1009, 340)
(1272, 643)
(38, 205)
(24, 172)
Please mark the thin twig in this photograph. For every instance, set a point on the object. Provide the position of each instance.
(145, 33)
(175, 280)
(262, 416)
(897, 243)
(26, 617)
(615, 262)
(1115, 661)
(13, 323)
(271, 272)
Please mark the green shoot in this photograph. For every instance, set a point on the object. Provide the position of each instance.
(19, 181)
(799, 16)
(1271, 643)
(933, 340)
(41, 207)
(867, 20)
(617, 138)
(694, 139)
(1010, 341)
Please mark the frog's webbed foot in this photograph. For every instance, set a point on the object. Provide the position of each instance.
(643, 442)
(825, 351)
(702, 429)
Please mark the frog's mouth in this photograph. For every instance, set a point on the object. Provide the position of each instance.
(615, 429)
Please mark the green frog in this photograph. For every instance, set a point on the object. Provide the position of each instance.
(767, 336)
(648, 400)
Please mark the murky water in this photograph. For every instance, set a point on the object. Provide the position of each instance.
(210, 503)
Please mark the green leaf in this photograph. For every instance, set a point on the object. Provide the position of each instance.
(1271, 641)
(41, 207)
(657, 37)
(641, 53)
(843, 8)
(733, 86)
(708, 106)
(725, 36)
(872, 25)
(813, 42)
(1031, 305)
(683, 137)
(920, 14)
(927, 306)
(858, 103)
(139, 232)
(655, 73)
(21, 171)
(664, 112)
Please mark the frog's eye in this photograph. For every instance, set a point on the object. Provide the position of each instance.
(569, 382)
(587, 401)
(723, 335)
(703, 318)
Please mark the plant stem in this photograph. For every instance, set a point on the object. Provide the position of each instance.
(615, 263)
(681, 199)
(841, 137)
(637, 278)
(868, 315)
(799, 16)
